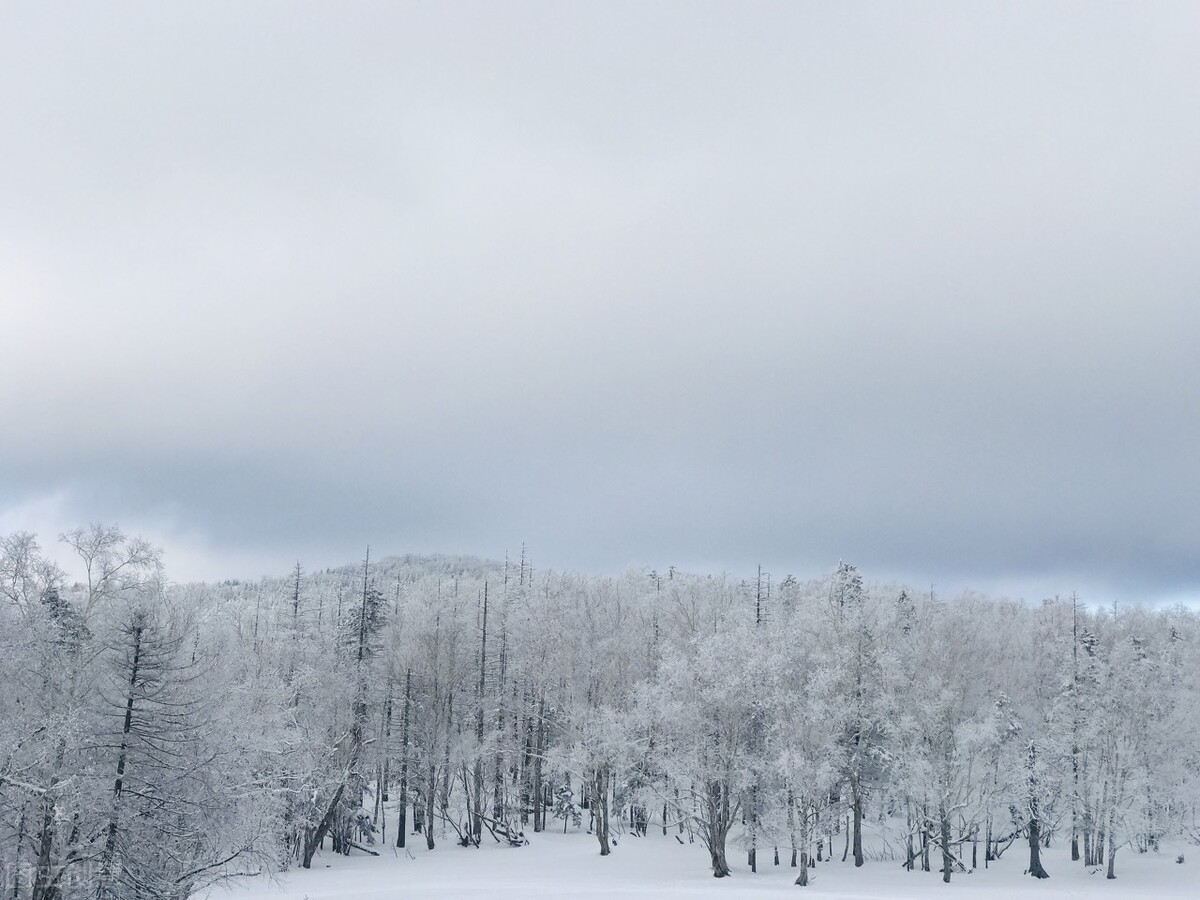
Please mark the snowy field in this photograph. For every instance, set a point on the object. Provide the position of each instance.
(558, 866)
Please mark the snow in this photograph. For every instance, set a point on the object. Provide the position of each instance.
(556, 866)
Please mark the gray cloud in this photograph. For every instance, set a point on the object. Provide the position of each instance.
(914, 286)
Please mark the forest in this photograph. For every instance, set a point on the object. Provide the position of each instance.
(158, 738)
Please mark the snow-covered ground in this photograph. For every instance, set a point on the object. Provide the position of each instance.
(557, 866)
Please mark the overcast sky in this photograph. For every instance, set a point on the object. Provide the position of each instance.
(913, 285)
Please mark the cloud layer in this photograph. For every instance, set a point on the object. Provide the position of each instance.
(708, 284)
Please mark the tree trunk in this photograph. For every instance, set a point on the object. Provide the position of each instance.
(1035, 825)
(16, 870)
(911, 857)
(802, 878)
(720, 865)
(110, 842)
(716, 826)
(539, 815)
(316, 837)
(1112, 844)
(846, 846)
(1074, 728)
(947, 856)
(43, 874)
(498, 760)
(858, 816)
(430, 795)
(1098, 839)
(925, 837)
(1035, 842)
(752, 853)
(600, 786)
(527, 764)
(445, 793)
(401, 824)
(477, 807)
(791, 823)
(385, 775)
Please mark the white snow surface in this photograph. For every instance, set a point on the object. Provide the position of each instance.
(556, 867)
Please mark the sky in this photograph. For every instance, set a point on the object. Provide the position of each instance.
(910, 285)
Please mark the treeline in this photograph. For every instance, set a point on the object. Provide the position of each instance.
(157, 738)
